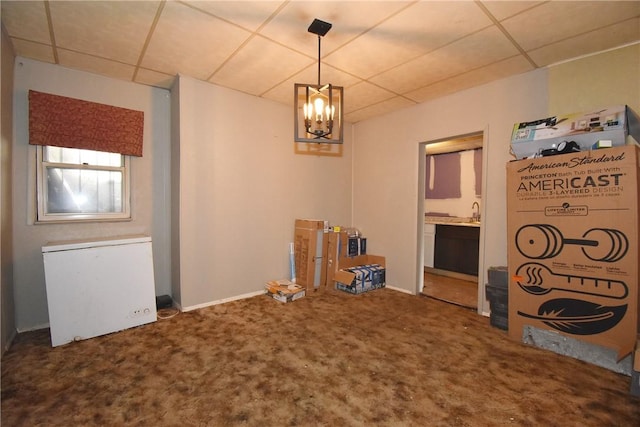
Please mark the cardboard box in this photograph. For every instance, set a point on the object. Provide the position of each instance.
(618, 124)
(635, 372)
(310, 244)
(350, 246)
(572, 229)
(284, 290)
(361, 274)
(333, 240)
(341, 246)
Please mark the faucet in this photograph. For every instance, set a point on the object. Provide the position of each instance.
(476, 214)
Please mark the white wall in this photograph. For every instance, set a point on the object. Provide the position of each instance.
(150, 194)
(240, 187)
(386, 168)
(597, 81)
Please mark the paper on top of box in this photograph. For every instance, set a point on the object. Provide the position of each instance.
(284, 290)
(282, 286)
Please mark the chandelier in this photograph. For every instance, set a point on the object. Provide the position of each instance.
(317, 107)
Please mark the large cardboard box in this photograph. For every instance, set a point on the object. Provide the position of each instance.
(310, 248)
(618, 124)
(573, 246)
(333, 245)
(341, 246)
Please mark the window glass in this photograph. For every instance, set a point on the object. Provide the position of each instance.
(79, 157)
(75, 184)
(83, 191)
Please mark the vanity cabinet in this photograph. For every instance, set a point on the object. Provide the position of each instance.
(457, 248)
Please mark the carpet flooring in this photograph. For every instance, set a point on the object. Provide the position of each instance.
(383, 358)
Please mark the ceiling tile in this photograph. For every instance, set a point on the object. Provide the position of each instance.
(26, 20)
(110, 29)
(384, 107)
(498, 70)
(416, 30)
(605, 38)
(558, 20)
(386, 54)
(283, 92)
(92, 64)
(363, 94)
(349, 19)
(153, 78)
(477, 50)
(259, 66)
(247, 14)
(504, 9)
(27, 49)
(191, 42)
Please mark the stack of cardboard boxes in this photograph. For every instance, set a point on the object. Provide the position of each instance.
(573, 231)
(326, 255)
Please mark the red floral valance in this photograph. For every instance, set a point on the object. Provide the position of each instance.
(73, 123)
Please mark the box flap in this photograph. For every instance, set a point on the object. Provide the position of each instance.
(343, 276)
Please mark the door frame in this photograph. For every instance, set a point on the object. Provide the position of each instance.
(457, 143)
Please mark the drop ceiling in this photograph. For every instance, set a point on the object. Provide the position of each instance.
(387, 55)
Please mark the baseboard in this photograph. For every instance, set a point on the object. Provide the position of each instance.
(220, 301)
(33, 328)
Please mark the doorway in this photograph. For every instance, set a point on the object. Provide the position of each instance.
(450, 269)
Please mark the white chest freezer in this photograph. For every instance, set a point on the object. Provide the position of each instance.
(96, 287)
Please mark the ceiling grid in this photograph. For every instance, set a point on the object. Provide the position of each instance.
(386, 54)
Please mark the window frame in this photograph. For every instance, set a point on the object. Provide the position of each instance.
(42, 191)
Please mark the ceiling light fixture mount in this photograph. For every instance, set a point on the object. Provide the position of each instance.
(318, 108)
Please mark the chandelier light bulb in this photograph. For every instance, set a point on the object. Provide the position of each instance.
(319, 106)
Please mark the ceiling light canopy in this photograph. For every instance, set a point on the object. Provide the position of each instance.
(318, 108)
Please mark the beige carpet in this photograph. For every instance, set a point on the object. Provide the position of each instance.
(379, 359)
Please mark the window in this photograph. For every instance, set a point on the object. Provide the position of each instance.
(81, 185)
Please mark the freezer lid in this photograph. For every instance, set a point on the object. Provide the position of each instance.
(94, 243)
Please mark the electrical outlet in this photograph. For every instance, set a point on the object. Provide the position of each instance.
(138, 312)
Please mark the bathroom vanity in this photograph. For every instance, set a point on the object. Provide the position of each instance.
(452, 244)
